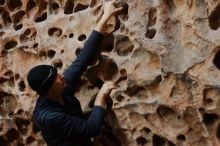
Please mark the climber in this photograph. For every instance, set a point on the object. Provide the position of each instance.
(58, 114)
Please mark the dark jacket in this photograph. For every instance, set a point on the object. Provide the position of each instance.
(65, 125)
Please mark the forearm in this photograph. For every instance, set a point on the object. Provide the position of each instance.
(100, 27)
(100, 101)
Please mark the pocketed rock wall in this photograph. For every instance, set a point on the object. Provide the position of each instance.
(164, 56)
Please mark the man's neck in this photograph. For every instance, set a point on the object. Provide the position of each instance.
(55, 97)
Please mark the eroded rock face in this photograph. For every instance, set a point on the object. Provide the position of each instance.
(164, 56)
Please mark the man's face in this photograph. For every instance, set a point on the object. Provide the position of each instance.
(58, 84)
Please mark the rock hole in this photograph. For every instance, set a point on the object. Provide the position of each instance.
(41, 18)
(22, 125)
(16, 18)
(108, 43)
(8, 103)
(33, 36)
(14, 4)
(20, 144)
(152, 17)
(11, 44)
(141, 140)
(3, 141)
(109, 69)
(18, 27)
(62, 51)
(123, 72)
(214, 18)
(58, 64)
(124, 13)
(2, 2)
(35, 45)
(24, 37)
(54, 7)
(218, 132)
(181, 137)
(97, 10)
(71, 35)
(68, 9)
(216, 60)
(123, 45)
(146, 130)
(210, 119)
(119, 98)
(29, 140)
(54, 31)
(77, 51)
(132, 90)
(93, 3)
(43, 55)
(158, 141)
(20, 111)
(30, 5)
(51, 53)
(21, 86)
(6, 18)
(82, 37)
(12, 135)
(150, 33)
(80, 7)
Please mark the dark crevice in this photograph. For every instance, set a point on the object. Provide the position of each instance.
(11, 44)
(14, 4)
(181, 137)
(16, 18)
(58, 64)
(54, 7)
(158, 141)
(210, 119)
(2, 2)
(216, 60)
(6, 18)
(150, 33)
(12, 135)
(80, 7)
(43, 55)
(82, 37)
(35, 45)
(54, 31)
(123, 45)
(24, 37)
(77, 51)
(71, 35)
(119, 98)
(18, 27)
(124, 13)
(68, 9)
(152, 17)
(214, 18)
(22, 125)
(29, 140)
(141, 141)
(30, 5)
(51, 53)
(41, 18)
(218, 132)
(22, 86)
(134, 90)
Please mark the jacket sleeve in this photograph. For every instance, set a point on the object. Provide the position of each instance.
(90, 48)
(67, 126)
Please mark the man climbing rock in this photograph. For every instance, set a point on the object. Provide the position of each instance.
(58, 113)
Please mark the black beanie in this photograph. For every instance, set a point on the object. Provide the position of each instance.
(41, 77)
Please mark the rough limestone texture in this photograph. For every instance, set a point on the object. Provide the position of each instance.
(164, 56)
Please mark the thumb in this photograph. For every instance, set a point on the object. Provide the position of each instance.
(118, 10)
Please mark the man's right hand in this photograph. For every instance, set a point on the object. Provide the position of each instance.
(104, 92)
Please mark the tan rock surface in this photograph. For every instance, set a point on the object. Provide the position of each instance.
(163, 54)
